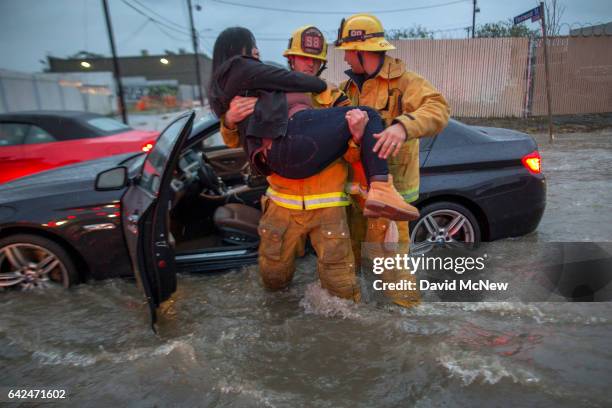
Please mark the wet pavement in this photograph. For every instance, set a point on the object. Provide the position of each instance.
(226, 342)
(578, 167)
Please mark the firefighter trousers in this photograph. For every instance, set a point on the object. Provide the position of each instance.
(283, 233)
(372, 231)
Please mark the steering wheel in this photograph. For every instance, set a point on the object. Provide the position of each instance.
(196, 173)
(207, 176)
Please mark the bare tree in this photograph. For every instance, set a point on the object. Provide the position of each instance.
(554, 13)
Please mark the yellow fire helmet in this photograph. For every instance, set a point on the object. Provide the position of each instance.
(307, 41)
(362, 32)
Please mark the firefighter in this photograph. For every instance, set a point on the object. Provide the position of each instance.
(315, 207)
(411, 108)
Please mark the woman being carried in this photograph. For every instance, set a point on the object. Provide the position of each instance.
(284, 134)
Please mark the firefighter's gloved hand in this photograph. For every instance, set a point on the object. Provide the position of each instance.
(390, 141)
(240, 108)
(357, 121)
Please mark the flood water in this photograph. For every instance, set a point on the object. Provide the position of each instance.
(226, 342)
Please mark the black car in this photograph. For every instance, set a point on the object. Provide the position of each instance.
(191, 204)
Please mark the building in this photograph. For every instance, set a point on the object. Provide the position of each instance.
(84, 91)
(168, 67)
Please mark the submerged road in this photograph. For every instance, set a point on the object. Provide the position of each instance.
(226, 342)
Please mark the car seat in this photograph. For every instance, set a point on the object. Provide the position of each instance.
(237, 224)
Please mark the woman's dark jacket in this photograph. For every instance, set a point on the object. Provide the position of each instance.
(247, 76)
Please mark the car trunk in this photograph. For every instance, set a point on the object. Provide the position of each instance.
(510, 139)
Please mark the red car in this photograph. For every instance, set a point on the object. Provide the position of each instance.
(31, 142)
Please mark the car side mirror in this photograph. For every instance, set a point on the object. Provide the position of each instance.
(112, 179)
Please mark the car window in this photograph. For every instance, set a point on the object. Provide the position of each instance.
(215, 140)
(157, 159)
(12, 134)
(37, 135)
(108, 125)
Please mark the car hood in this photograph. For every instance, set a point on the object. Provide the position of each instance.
(68, 179)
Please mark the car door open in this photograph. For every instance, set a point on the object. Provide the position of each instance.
(145, 208)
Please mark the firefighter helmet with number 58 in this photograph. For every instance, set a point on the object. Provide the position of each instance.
(307, 41)
(362, 32)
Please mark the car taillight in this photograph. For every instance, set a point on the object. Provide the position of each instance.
(146, 147)
(533, 162)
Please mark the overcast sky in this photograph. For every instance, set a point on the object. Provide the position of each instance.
(31, 29)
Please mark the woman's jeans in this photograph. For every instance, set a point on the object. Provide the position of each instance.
(317, 137)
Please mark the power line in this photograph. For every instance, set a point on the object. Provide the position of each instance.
(163, 27)
(167, 34)
(135, 32)
(208, 31)
(231, 3)
(209, 48)
(263, 37)
(213, 37)
(150, 10)
(183, 31)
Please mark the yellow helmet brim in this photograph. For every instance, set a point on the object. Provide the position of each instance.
(303, 54)
(371, 44)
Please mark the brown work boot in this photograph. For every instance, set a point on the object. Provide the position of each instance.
(384, 201)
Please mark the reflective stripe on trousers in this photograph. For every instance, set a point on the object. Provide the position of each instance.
(308, 202)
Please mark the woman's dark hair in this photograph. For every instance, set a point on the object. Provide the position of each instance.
(231, 42)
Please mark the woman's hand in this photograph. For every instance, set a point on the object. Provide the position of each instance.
(357, 121)
(240, 108)
(390, 141)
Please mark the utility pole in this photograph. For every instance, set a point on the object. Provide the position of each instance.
(546, 72)
(194, 39)
(473, 17)
(116, 71)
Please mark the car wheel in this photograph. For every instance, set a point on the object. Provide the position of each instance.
(444, 224)
(30, 261)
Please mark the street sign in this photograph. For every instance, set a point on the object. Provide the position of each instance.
(533, 14)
